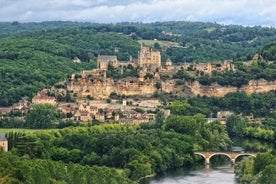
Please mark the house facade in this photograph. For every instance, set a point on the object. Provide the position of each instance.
(104, 61)
(3, 142)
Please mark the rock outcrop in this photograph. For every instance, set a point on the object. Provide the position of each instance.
(254, 86)
(102, 88)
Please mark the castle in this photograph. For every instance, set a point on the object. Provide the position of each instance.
(146, 58)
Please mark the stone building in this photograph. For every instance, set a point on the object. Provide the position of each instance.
(3, 142)
(100, 73)
(104, 61)
(147, 57)
(43, 98)
(210, 67)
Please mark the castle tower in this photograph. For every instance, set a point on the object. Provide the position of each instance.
(147, 57)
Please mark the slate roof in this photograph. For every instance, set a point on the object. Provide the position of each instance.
(107, 58)
(3, 137)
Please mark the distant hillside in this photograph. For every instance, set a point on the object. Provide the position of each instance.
(198, 41)
(16, 27)
(32, 61)
(269, 52)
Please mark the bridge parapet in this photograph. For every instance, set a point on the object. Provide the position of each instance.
(232, 155)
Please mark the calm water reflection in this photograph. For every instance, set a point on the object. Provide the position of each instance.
(218, 175)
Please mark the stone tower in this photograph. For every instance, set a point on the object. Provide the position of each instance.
(147, 57)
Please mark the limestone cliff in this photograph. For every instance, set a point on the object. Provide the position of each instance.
(102, 88)
(254, 86)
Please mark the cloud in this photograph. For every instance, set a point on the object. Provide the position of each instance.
(245, 12)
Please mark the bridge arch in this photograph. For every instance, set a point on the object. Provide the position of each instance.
(220, 153)
(225, 154)
(231, 155)
(245, 154)
(198, 153)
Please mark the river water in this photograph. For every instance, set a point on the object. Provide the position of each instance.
(214, 175)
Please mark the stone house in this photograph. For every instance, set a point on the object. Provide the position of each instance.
(39, 99)
(100, 117)
(3, 142)
(104, 61)
(22, 106)
(84, 116)
(4, 110)
(210, 67)
(42, 98)
(96, 73)
(76, 60)
(224, 114)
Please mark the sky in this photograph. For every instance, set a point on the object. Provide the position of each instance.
(241, 12)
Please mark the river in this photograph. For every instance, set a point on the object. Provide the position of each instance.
(223, 174)
(216, 173)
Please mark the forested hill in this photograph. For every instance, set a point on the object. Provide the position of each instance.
(269, 52)
(197, 41)
(37, 55)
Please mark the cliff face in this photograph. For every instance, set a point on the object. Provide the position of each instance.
(259, 86)
(254, 86)
(102, 88)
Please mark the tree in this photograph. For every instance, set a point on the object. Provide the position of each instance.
(42, 116)
(235, 125)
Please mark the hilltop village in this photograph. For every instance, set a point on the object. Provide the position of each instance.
(99, 95)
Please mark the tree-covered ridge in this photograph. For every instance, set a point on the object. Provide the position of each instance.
(269, 52)
(28, 65)
(89, 43)
(198, 41)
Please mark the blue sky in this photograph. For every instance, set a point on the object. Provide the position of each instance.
(242, 12)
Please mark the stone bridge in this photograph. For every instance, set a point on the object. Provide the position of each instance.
(233, 155)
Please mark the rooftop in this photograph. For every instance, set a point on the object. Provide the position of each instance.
(3, 137)
(107, 58)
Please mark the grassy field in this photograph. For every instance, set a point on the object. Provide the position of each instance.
(6, 130)
(163, 44)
